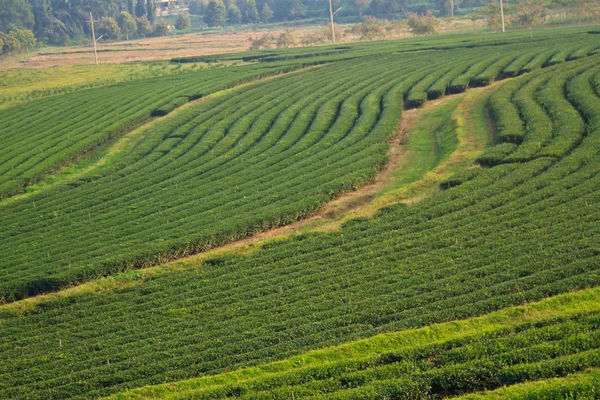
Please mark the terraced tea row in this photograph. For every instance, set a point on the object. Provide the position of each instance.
(383, 366)
(232, 166)
(530, 351)
(513, 233)
(41, 136)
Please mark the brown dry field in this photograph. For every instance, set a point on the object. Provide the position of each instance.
(149, 49)
(165, 48)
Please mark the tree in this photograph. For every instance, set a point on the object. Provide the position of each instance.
(183, 21)
(298, 10)
(108, 28)
(161, 28)
(422, 24)
(151, 10)
(196, 7)
(126, 23)
(447, 7)
(215, 14)
(371, 29)
(263, 42)
(249, 11)
(140, 8)
(286, 39)
(130, 7)
(1, 44)
(361, 6)
(10, 44)
(15, 12)
(25, 37)
(234, 15)
(266, 13)
(144, 27)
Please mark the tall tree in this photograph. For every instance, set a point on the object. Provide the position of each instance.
(17, 12)
(151, 10)
(234, 15)
(140, 8)
(215, 14)
(266, 13)
(249, 11)
(126, 23)
(144, 27)
(196, 7)
(161, 28)
(108, 28)
(130, 7)
(183, 21)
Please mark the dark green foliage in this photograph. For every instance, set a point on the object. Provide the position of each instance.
(460, 178)
(215, 14)
(496, 154)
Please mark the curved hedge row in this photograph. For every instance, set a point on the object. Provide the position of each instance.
(41, 136)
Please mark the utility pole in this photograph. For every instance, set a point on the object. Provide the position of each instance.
(331, 15)
(502, 15)
(94, 38)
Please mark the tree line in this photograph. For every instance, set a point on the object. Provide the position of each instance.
(58, 22)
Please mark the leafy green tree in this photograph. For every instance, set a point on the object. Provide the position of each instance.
(298, 10)
(196, 7)
(151, 10)
(126, 23)
(140, 8)
(215, 14)
(249, 11)
(17, 12)
(161, 28)
(10, 44)
(371, 29)
(25, 37)
(183, 21)
(144, 27)
(266, 13)
(108, 28)
(234, 15)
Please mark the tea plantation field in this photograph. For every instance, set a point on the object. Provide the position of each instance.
(269, 143)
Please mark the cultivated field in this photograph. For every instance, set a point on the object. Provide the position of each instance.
(460, 257)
